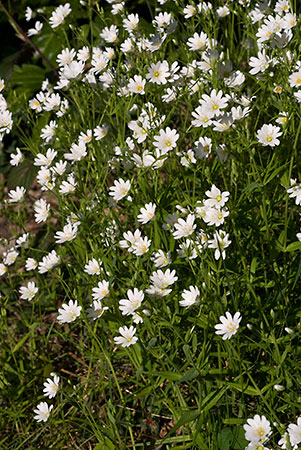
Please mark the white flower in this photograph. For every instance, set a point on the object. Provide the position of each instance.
(140, 129)
(3, 269)
(162, 20)
(223, 11)
(166, 140)
(10, 256)
(30, 264)
(127, 337)
(235, 79)
(68, 313)
(130, 239)
(128, 306)
(295, 79)
(188, 158)
(184, 228)
(146, 160)
(189, 11)
(203, 147)
(6, 121)
(52, 102)
(109, 34)
(136, 85)
(99, 63)
(101, 291)
(265, 33)
(283, 442)
(161, 280)
(16, 158)
(257, 429)
(295, 191)
(93, 267)
(85, 137)
(215, 216)
(71, 71)
(198, 41)
(228, 326)
(78, 151)
(217, 199)
(83, 53)
(22, 240)
(28, 14)
(51, 386)
(278, 387)
(117, 8)
(259, 64)
(100, 132)
(131, 22)
(202, 117)
(268, 134)
(96, 310)
(28, 293)
(68, 186)
(161, 259)
(37, 28)
(294, 432)
(42, 412)
(256, 446)
(120, 189)
(41, 208)
(141, 246)
(48, 262)
(69, 232)
(66, 56)
(214, 103)
(16, 195)
(158, 73)
(219, 242)
(59, 14)
(42, 160)
(190, 296)
(187, 249)
(147, 213)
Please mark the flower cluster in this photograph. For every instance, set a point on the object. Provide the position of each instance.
(51, 387)
(156, 155)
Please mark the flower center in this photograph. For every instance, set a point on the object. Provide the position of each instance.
(260, 431)
(269, 139)
(298, 80)
(156, 74)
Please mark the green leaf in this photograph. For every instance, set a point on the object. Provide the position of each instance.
(22, 175)
(27, 78)
(187, 417)
(293, 246)
(239, 440)
(212, 399)
(172, 376)
(21, 342)
(189, 375)
(47, 42)
(224, 439)
(275, 172)
(249, 390)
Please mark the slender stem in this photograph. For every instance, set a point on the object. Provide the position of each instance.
(22, 35)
